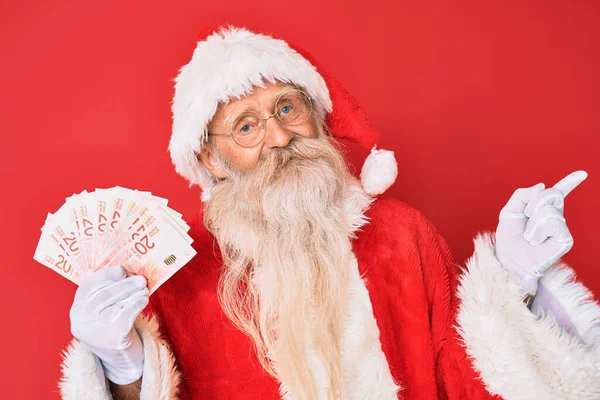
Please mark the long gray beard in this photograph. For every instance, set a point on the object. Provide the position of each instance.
(286, 246)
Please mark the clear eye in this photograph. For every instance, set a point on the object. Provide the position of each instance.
(246, 124)
(286, 110)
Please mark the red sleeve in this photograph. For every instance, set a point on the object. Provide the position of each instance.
(155, 309)
(455, 374)
(161, 301)
(151, 311)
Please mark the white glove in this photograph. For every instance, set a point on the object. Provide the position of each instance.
(105, 307)
(532, 233)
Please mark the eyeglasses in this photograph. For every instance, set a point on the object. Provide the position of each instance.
(292, 107)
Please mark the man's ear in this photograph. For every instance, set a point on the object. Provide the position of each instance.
(208, 157)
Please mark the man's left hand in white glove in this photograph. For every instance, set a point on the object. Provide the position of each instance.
(532, 234)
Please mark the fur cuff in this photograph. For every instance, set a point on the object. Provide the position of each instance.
(518, 355)
(83, 376)
(576, 300)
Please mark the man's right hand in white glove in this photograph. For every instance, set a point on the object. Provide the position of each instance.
(106, 305)
(532, 233)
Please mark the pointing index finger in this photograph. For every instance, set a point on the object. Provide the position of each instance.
(570, 182)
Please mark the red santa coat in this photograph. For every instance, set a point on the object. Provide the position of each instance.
(445, 333)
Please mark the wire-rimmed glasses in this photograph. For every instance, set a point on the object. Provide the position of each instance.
(292, 107)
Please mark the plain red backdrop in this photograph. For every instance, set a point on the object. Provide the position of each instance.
(476, 99)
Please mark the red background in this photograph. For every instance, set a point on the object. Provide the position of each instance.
(475, 99)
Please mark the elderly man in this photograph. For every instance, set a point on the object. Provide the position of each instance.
(307, 286)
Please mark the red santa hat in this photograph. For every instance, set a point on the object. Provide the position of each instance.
(228, 63)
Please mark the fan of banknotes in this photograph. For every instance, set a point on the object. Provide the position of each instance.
(115, 226)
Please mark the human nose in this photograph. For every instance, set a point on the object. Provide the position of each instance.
(276, 135)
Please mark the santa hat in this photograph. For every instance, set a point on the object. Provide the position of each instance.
(227, 63)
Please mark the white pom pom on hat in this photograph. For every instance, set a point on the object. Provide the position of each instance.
(379, 171)
(228, 62)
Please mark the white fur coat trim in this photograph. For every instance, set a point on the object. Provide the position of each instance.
(365, 371)
(518, 355)
(83, 377)
(577, 301)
